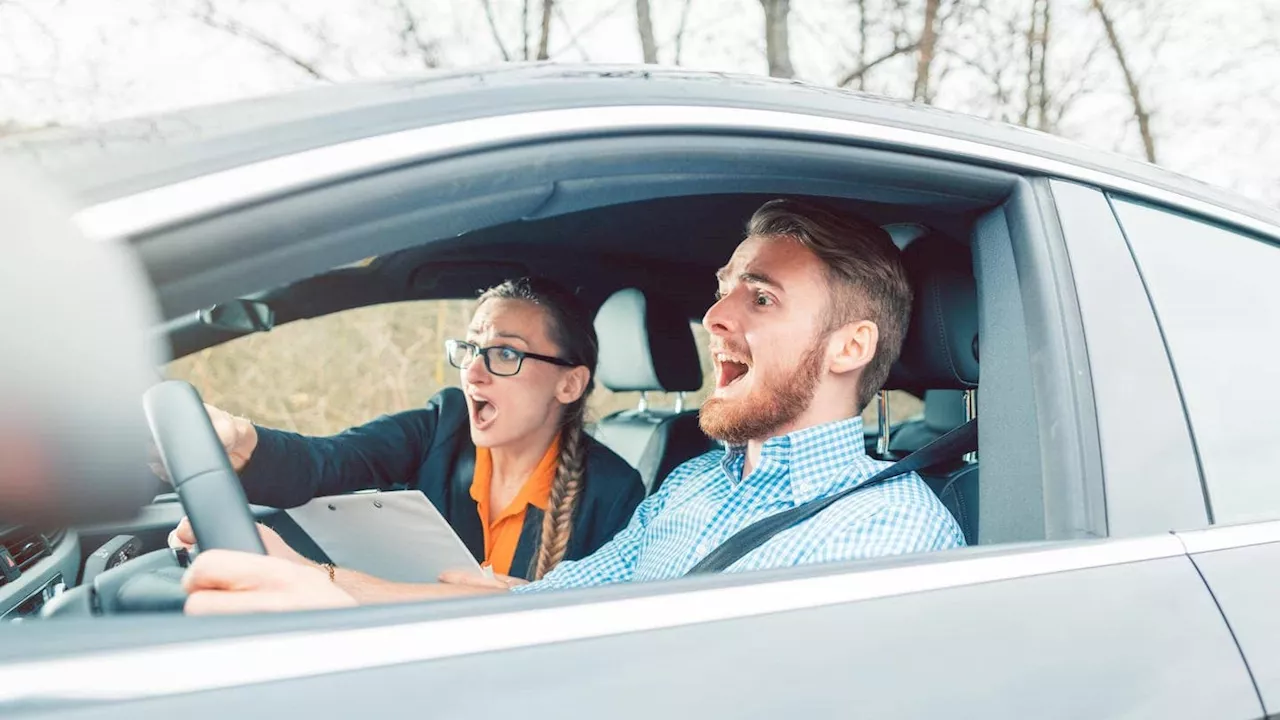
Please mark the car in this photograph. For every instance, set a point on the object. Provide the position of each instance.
(1123, 531)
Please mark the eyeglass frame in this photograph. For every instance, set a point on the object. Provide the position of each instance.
(483, 352)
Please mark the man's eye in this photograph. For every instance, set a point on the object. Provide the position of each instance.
(763, 300)
(506, 353)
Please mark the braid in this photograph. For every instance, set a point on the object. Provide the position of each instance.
(558, 521)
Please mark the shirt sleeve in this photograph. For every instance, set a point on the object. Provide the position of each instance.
(614, 562)
(287, 469)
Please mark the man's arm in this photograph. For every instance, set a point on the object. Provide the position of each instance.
(369, 590)
(614, 562)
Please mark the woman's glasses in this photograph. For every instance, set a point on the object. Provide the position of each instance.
(499, 359)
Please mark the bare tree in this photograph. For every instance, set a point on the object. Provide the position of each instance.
(859, 73)
(928, 45)
(1035, 111)
(544, 37)
(524, 24)
(644, 23)
(493, 28)
(411, 38)
(684, 24)
(1140, 111)
(206, 15)
(777, 37)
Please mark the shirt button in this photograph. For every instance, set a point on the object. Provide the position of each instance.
(703, 548)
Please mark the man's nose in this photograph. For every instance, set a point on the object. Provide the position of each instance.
(719, 319)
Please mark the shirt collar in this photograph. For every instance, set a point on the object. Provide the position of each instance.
(816, 458)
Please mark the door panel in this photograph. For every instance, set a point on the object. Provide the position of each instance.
(1247, 586)
(1141, 639)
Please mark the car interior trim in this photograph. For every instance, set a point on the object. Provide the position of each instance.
(154, 209)
(211, 664)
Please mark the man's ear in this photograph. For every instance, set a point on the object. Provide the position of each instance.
(572, 384)
(852, 347)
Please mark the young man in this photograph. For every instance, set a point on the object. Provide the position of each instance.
(810, 315)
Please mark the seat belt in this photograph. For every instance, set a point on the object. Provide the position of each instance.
(950, 446)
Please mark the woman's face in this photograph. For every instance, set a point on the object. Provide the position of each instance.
(508, 410)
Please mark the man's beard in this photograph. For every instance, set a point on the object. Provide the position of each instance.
(766, 408)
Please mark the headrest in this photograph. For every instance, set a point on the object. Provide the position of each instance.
(645, 345)
(941, 348)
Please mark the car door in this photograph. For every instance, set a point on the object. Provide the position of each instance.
(1214, 288)
(1104, 627)
(1117, 627)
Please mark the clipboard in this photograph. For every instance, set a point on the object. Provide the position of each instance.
(397, 535)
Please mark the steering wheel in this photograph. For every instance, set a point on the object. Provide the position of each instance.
(199, 468)
(210, 494)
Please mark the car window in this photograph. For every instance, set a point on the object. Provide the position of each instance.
(1217, 299)
(324, 375)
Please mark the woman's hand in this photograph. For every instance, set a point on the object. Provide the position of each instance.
(466, 577)
(184, 537)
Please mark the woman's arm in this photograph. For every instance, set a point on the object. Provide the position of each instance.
(287, 469)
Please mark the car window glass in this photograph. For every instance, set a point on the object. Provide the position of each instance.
(1216, 295)
(326, 374)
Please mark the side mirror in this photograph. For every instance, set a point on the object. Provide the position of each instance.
(239, 316)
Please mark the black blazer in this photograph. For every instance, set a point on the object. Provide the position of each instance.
(431, 449)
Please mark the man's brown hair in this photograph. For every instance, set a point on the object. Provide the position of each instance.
(864, 271)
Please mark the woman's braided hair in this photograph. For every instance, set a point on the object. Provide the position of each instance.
(573, 332)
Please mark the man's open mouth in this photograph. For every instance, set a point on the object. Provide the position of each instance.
(729, 370)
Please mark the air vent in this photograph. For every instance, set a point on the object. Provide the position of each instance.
(25, 546)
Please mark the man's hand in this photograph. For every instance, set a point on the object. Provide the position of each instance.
(465, 577)
(238, 437)
(224, 581)
(184, 537)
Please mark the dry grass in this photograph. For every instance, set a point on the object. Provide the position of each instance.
(324, 375)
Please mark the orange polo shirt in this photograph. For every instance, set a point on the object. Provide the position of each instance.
(502, 535)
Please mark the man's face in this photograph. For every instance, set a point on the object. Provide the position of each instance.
(767, 329)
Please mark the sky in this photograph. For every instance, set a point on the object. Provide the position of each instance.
(1207, 70)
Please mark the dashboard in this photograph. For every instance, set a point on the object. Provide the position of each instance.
(35, 566)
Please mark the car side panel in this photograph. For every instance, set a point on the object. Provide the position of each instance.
(1246, 583)
(1142, 639)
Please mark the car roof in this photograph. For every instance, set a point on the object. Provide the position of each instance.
(126, 157)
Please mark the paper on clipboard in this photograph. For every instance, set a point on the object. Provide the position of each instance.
(396, 535)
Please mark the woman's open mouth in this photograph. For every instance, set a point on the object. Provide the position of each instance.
(483, 412)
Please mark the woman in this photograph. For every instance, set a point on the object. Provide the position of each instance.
(505, 458)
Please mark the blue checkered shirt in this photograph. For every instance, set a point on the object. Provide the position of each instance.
(706, 500)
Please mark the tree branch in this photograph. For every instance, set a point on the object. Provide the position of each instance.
(235, 28)
(684, 24)
(410, 36)
(860, 73)
(493, 28)
(1140, 111)
(524, 18)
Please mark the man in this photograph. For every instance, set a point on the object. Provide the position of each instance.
(810, 315)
